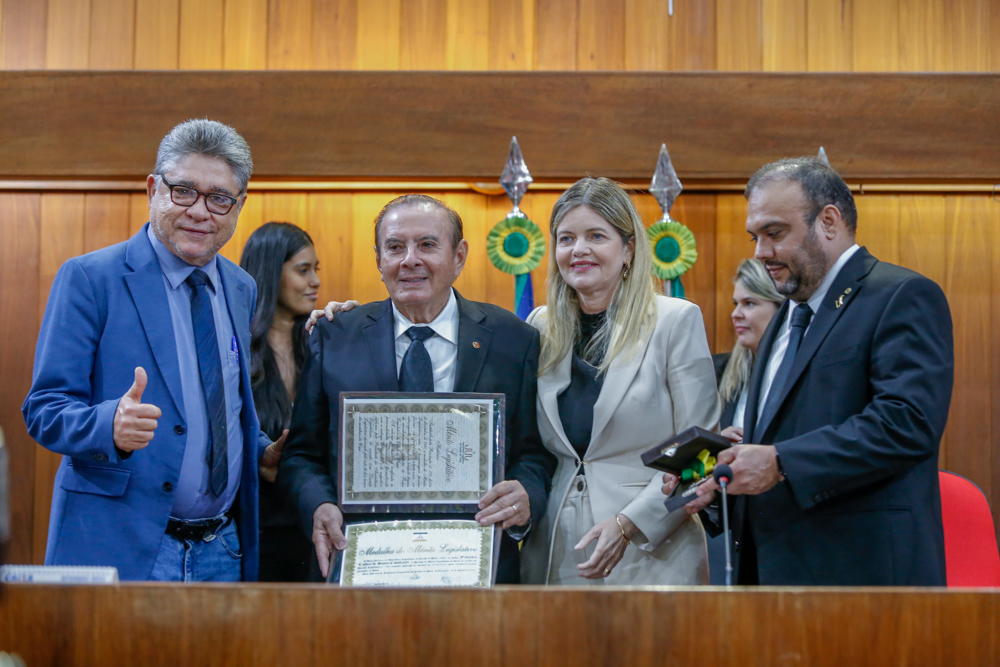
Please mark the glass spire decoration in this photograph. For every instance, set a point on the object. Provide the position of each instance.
(516, 245)
(674, 247)
(821, 156)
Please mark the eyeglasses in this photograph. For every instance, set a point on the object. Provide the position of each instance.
(215, 202)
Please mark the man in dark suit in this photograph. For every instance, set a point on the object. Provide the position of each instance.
(142, 383)
(847, 403)
(425, 337)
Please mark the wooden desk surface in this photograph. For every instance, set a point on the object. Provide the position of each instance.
(266, 624)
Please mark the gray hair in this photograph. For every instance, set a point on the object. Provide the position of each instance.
(416, 200)
(211, 139)
(822, 186)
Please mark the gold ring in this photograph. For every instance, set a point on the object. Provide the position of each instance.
(514, 508)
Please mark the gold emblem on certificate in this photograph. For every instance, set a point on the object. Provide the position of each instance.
(418, 554)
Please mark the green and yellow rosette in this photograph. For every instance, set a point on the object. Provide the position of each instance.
(516, 246)
(674, 252)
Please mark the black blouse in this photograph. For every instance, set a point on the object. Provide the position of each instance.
(576, 402)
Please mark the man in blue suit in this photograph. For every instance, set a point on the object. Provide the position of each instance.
(141, 382)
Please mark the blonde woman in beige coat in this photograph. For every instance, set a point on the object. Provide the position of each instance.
(622, 369)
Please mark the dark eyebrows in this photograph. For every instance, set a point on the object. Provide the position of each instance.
(190, 184)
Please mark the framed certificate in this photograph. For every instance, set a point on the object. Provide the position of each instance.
(418, 554)
(418, 453)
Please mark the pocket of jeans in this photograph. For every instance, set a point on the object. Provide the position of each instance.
(229, 536)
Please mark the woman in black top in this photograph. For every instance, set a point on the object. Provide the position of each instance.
(281, 258)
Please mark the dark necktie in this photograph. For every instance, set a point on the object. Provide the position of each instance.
(800, 320)
(210, 365)
(417, 374)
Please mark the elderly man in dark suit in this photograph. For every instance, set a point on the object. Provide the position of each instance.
(847, 403)
(425, 337)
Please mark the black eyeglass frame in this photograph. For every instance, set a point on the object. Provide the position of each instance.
(199, 193)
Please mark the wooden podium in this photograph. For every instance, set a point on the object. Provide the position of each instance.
(272, 624)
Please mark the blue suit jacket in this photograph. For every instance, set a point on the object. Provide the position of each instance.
(108, 313)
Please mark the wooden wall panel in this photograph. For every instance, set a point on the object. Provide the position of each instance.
(19, 257)
(423, 35)
(512, 35)
(112, 34)
(289, 35)
(201, 24)
(157, 29)
(878, 225)
(876, 36)
(557, 35)
(245, 35)
(647, 35)
(601, 37)
(784, 36)
(331, 228)
(830, 35)
(378, 34)
(335, 34)
(467, 32)
(251, 217)
(732, 246)
(107, 220)
(538, 207)
(739, 26)
(67, 39)
(22, 34)
(691, 37)
(968, 285)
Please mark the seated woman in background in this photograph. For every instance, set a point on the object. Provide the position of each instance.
(755, 301)
(621, 370)
(281, 258)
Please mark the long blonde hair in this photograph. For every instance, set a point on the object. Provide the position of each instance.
(753, 277)
(630, 317)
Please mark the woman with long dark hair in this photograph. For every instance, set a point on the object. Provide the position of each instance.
(282, 259)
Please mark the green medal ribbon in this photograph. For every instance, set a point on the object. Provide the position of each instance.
(702, 466)
(674, 252)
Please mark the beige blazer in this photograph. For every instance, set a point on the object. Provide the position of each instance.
(666, 387)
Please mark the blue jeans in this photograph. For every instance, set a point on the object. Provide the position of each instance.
(217, 558)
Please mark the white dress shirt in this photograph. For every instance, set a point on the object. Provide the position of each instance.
(442, 347)
(781, 343)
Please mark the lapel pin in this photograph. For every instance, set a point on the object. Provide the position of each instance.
(840, 301)
(475, 344)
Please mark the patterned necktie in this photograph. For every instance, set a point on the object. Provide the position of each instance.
(417, 374)
(210, 365)
(800, 320)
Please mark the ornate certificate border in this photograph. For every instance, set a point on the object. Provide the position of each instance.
(489, 408)
(489, 544)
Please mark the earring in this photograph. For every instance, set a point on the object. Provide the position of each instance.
(625, 272)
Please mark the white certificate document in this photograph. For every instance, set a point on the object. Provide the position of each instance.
(437, 450)
(418, 554)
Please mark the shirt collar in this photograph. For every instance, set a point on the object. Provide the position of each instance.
(176, 269)
(444, 325)
(816, 300)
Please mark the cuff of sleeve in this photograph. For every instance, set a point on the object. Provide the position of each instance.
(518, 533)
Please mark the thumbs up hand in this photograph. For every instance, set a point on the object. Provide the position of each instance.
(135, 421)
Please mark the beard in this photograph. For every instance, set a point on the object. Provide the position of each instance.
(806, 269)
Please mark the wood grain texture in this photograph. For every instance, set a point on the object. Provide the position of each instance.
(700, 116)
(157, 29)
(290, 35)
(67, 40)
(335, 34)
(331, 229)
(467, 33)
(23, 34)
(198, 624)
(876, 36)
(830, 35)
(647, 36)
(739, 35)
(106, 220)
(423, 29)
(112, 34)
(969, 285)
(557, 35)
(784, 36)
(512, 35)
(732, 246)
(994, 225)
(601, 35)
(19, 256)
(202, 26)
(878, 225)
(378, 38)
(693, 36)
(245, 35)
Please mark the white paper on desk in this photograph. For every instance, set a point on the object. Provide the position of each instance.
(418, 554)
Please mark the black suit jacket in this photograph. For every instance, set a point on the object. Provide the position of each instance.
(356, 352)
(720, 361)
(857, 432)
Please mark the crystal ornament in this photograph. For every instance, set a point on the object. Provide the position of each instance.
(665, 185)
(821, 156)
(515, 178)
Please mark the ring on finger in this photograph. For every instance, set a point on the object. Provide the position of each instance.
(606, 572)
(514, 507)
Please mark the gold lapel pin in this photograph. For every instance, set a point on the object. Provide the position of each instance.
(840, 301)
(475, 344)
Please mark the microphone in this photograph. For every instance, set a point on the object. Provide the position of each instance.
(723, 475)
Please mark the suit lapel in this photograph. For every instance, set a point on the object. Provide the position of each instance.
(836, 302)
(145, 284)
(379, 339)
(473, 344)
(757, 374)
(619, 378)
(550, 385)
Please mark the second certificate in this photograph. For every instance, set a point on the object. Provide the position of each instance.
(433, 450)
